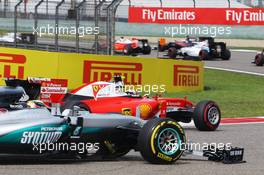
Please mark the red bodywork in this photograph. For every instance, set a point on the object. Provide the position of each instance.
(120, 45)
(127, 105)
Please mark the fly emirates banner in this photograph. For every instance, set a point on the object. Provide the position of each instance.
(214, 16)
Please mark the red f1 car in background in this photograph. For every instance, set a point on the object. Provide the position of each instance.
(132, 47)
(259, 59)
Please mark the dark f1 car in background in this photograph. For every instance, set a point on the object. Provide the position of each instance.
(132, 47)
(259, 59)
(205, 48)
(30, 131)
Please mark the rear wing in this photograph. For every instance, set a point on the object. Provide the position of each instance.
(31, 88)
(40, 88)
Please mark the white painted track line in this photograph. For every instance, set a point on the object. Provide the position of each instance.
(236, 71)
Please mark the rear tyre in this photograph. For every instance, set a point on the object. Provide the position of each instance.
(161, 48)
(259, 60)
(207, 116)
(226, 55)
(172, 52)
(204, 55)
(160, 141)
(128, 50)
(146, 50)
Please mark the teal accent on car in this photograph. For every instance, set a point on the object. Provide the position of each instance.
(171, 151)
(16, 136)
(90, 130)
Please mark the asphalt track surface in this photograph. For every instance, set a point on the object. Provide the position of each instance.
(249, 136)
(240, 61)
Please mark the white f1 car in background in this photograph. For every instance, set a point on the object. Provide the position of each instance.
(200, 49)
(203, 49)
(25, 38)
(9, 37)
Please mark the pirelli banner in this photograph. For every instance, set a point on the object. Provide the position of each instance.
(82, 68)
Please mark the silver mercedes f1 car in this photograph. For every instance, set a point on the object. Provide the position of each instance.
(41, 131)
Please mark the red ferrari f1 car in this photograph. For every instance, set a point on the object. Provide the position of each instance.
(112, 97)
(132, 47)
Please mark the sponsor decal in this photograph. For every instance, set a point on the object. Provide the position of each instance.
(126, 111)
(145, 109)
(224, 16)
(96, 88)
(12, 65)
(40, 137)
(164, 157)
(53, 90)
(186, 76)
(105, 71)
(51, 87)
(173, 103)
(24, 97)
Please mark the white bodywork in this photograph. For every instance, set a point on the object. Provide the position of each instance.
(195, 50)
(9, 37)
(123, 41)
(103, 89)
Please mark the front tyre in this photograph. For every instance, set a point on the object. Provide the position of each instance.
(259, 59)
(172, 52)
(146, 50)
(128, 50)
(160, 141)
(226, 55)
(207, 116)
(204, 55)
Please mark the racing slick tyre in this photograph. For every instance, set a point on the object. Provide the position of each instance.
(161, 48)
(160, 141)
(207, 116)
(259, 60)
(226, 55)
(204, 55)
(172, 52)
(128, 50)
(146, 50)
